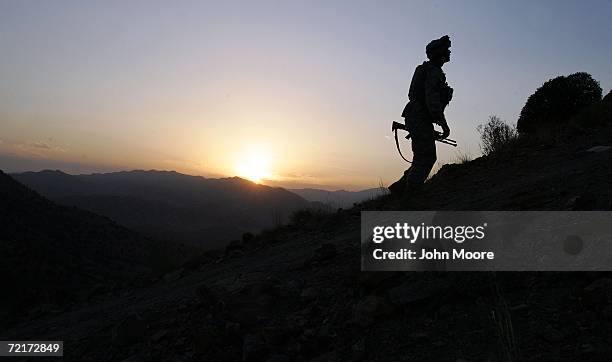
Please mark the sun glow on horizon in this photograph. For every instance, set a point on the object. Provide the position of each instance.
(255, 166)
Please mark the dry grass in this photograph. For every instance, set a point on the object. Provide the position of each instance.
(463, 157)
(500, 314)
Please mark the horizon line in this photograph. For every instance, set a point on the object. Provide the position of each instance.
(263, 183)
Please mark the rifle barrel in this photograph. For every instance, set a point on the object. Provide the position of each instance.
(448, 142)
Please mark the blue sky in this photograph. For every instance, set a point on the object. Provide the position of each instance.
(306, 90)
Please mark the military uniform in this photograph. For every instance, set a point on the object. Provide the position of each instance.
(428, 95)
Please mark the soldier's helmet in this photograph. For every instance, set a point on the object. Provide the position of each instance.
(437, 47)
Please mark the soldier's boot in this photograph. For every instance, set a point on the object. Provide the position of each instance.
(410, 190)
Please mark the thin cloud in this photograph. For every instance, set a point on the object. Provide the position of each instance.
(40, 145)
(34, 148)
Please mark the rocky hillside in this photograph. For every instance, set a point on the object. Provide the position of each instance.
(297, 293)
(54, 256)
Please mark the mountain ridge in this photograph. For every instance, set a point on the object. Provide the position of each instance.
(166, 204)
(339, 198)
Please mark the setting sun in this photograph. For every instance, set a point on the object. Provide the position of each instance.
(255, 166)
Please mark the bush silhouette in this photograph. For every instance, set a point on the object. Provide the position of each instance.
(496, 135)
(558, 100)
(596, 115)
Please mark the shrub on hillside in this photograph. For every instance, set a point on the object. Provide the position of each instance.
(558, 100)
(496, 135)
(462, 157)
(594, 116)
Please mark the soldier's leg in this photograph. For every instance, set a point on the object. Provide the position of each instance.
(424, 154)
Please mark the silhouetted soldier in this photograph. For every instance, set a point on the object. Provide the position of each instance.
(428, 95)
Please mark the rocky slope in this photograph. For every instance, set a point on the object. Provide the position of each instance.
(53, 256)
(296, 293)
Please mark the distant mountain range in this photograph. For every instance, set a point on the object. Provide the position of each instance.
(170, 205)
(339, 198)
(53, 255)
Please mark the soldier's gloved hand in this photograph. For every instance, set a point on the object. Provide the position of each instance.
(445, 131)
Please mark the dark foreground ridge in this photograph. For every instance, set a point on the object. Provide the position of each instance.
(55, 255)
(296, 293)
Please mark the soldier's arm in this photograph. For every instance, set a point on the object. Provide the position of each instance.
(433, 86)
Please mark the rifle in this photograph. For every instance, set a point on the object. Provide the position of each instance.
(397, 125)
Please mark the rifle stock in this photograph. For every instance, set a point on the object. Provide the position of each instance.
(397, 125)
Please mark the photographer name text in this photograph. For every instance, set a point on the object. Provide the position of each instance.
(455, 254)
